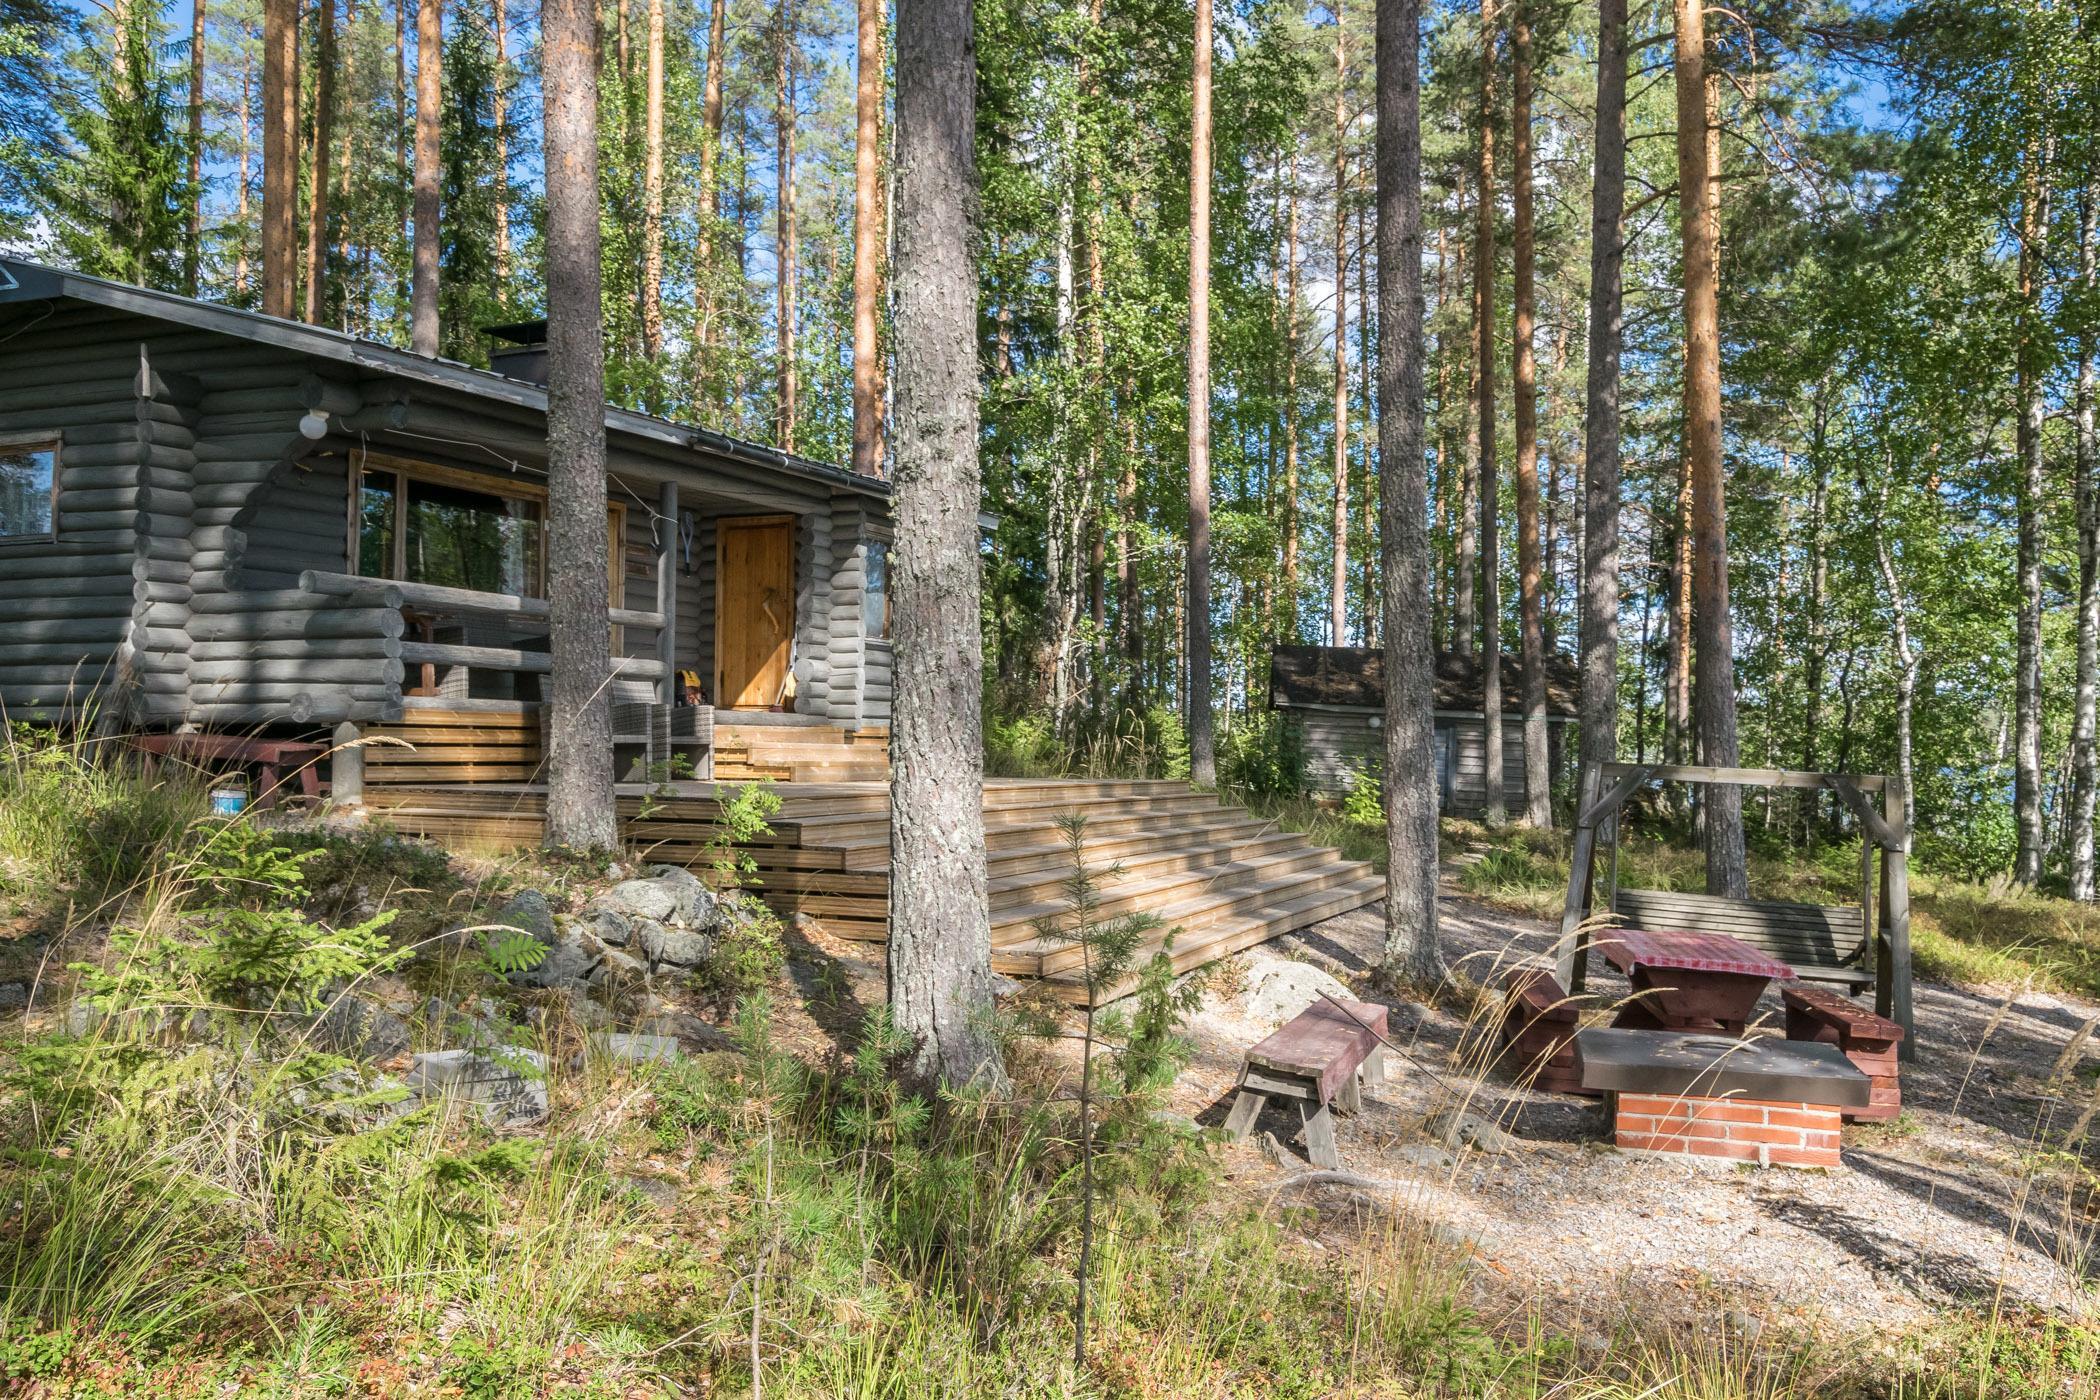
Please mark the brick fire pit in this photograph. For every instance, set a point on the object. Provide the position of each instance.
(1770, 1102)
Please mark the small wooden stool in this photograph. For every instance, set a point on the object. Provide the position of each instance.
(1320, 1058)
(1868, 1040)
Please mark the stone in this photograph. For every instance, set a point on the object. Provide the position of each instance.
(1426, 1155)
(360, 1030)
(684, 948)
(695, 902)
(661, 1195)
(637, 1049)
(568, 962)
(682, 1025)
(1278, 991)
(616, 965)
(1456, 1128)
(528, 911)
(608, 926)
(509, 1086)
(641, 899)
(14, 996)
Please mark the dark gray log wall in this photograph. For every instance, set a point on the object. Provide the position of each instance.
(1339, 743)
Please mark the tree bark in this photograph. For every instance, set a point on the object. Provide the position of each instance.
(1538, 778)
(1203, 760)
(1697, 195)
(1338, 579)
(787, 302)
(280, 154)
(1367, 394)
(708, 202)
(580, 810)
(1815, 662)
(240, 195)
(653, 192)
(1600, 554)
(867, 242)
(1490, 492)
(939, 936)
(1412, 946)
(193, 246)
(423, 282)
(2085, 753)
(500, 110)
(2033, 401)
(1288, 624)
(323, 142)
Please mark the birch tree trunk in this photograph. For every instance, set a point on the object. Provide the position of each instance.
(580, 810)
(500, 110)
(193, 245)
(1203, 760)
(423, 282)
(1490, 492)
(1538, 778)
(280, 154)
(1412, 947)
(939, 935)
(786, 303)
(2085, 754)
(867, 242)
(323, 143)
(1600, 489)
(708, 204)
(2033, 389)
(1722, 804)
(653, 193)
(1338, 579)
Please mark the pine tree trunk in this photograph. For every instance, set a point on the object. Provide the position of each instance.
(1538, 779)
(867, 242)
(423, 283)
(786, 303)
(653, 197)
(1338, 578)
(2032, 386)
(243, 179)
(2085, 753)
(1365, 393)
(500, 110)
(1697, 196)
(1600, 487)
(1203, 762)
(708, 202)
(1815, 662)
(1412, 947)
(1288, 625)
(323, 147)
(353, 292)
(1677, 679)
(580, 810)
(280, 155)
(1490, 491)
(403, 179)
(1128, 603)
(193, 246)
(1465, 621)
(939, 937)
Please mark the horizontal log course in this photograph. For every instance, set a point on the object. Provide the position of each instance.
(309, 670)
(275, 626)
(243, 459)
(253, 398)
(538, 663)
(46, 661)
(70, 520)
(293, 648)
(147, 591)
(438, 597)
(238, 714)
(106, 562)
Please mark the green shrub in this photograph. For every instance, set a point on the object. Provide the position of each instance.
(1262, 755)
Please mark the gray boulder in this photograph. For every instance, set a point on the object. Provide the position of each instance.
(641, 899)
(608, 926)
(1280, 990)
(618, 966)
(695, 901)
(509, 1087)
(529, 911)
(1455, 1128)
(676, 947)
(636, 1049)
(569, 962)
(360, 1030)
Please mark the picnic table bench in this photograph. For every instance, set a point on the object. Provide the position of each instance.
(1869, 1041)
(1319, 1059)
(276, 760)
(1539, 1022)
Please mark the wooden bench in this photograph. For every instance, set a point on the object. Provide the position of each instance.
(1320, 1059)
(1868, 1040)
(276, 761)
(1538, 1031)
(1822, 943)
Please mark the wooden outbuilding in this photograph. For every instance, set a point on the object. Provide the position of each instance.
(1335, 698)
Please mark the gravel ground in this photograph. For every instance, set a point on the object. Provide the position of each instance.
(1958, 1204)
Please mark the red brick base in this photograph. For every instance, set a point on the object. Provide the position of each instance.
(1761, 1131)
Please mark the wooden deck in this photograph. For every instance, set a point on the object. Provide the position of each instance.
(1220, 878)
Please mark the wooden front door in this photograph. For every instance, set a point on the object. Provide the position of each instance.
(754, 610)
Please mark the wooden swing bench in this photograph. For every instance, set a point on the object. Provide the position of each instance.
(1850, 946)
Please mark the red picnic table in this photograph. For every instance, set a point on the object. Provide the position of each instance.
(271, 757)
(1689, 981)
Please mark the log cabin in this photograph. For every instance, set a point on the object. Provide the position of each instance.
(1335, 699)
(214, 520)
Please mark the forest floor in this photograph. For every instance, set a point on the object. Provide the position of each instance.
(1968, 1203)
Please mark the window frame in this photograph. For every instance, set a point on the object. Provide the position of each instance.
(403, 472)
(54, 443)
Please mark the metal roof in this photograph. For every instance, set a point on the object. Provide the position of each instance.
(22, 281)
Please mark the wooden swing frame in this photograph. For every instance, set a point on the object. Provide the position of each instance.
(1884, 894)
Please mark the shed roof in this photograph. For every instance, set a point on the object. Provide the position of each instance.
(28, 282)
(1354, 678)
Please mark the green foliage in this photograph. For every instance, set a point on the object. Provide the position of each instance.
(744, 816)
(748, 952)
(1262, 755)
(1364, 804)
(234, 936)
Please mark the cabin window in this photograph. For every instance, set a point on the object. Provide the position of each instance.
(875, 597)
(28, 489)
(449, 532)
